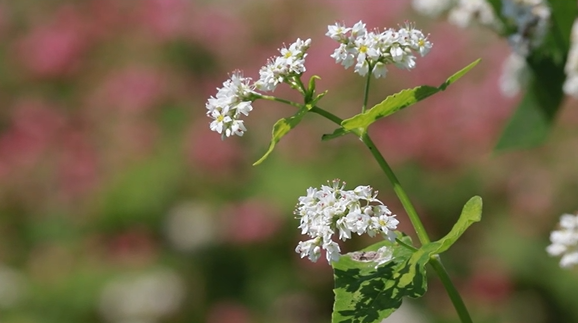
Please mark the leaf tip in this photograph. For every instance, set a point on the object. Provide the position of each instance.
(257, 163)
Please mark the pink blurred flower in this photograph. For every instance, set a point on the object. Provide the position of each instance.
(531, 192)
(78, 164)
(227, 312)
(207, 152)
(222, 32)
(166, 19)
(249, 222)
(131, 90)
(132, 247)
(54, 48)
(489, 286)
(34, 127)
(129, 139)
(107, 17)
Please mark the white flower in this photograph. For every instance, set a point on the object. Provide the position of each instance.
(332, 251)
(144, 297)
(358, 30)
(309, 248)
(232, 100)
(338, 32)
(468, 11)
(371, 51)
(331, 209)
(531, 19)
(379, 70)
(515, 75)
(460, 12)
(432, 8)
(344, 54)
(571, 83)
(13, 287)
(283, 68)
(565, 241)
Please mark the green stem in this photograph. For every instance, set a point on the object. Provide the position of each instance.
(274, 98)
(405, 245)
(453, 293)
(300, 85)
(366, 92)
(327, 115)
(435, 261)
(412, 214)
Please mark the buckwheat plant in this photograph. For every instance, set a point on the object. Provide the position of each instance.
(370, 283)
(565, 241)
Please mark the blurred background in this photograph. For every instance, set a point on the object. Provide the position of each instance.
(118, 204)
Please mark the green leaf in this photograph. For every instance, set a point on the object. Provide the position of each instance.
(533, 119)
(535, 115)
(400, 100)
(281, 128)
(364, 294)
(337, 133)
(311, 88)
(471, 213)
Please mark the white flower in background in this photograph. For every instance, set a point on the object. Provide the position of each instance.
(333, 210)
(432, 8)
(571, 68)
(565, 241)
(371, 51)
(464, 12)
(282, 68)
(148, 297)
(190, 225)
(515, 75)
(461, 13)
(531, 18)
(232, 100)
(13, 287)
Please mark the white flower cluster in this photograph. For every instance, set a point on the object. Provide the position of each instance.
(232, 100)
(372, 51)
(460, 12)
(531, 18)
(571, 84)
(332, 209)
(282, 68)
(565, 241)
(238, 93)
